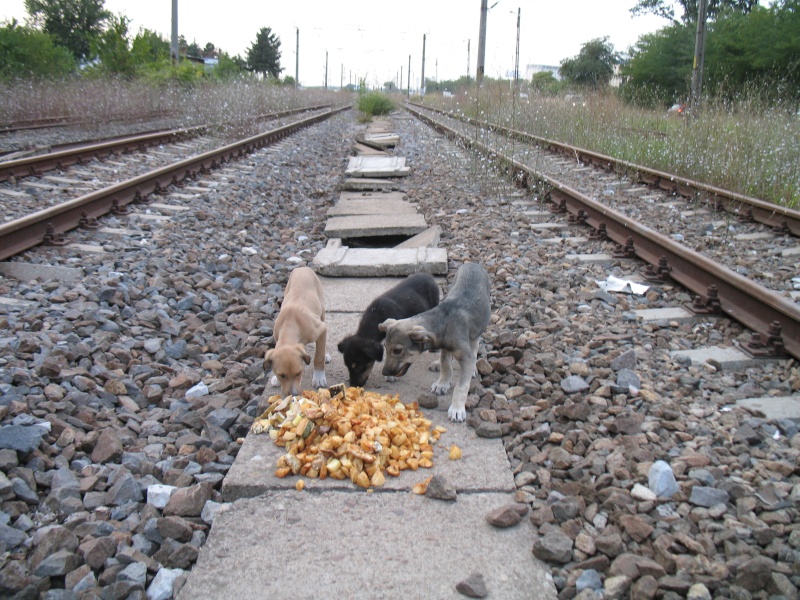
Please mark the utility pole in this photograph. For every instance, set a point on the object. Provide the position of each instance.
(341, 78)
(401, 78)
(482, 43)
(516, 62)
(326, 69)
(699, 58)
(422, 79)
(297, 61)
(408, 93)
(468, 41)
(174, 46)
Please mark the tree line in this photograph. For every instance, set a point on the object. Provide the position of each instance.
(62, 37)
(749, 49)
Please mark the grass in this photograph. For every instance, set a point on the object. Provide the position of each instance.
(374, 104)
(98, 101)
(746, 147)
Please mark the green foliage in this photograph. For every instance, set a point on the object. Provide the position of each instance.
(545, 83)
(264, 56)
(72, 23)
(25, 52)
(228, 68)
(111, 49)
(288, 80)
(759, 49)
(375, 104)
(594, 65)
(149, 47)
(660, 68)
(690, 8)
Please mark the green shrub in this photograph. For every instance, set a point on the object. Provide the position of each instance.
(375, 104)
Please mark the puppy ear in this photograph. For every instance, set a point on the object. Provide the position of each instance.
(303, 354)
(374, 350)
(342, 346)
(420, 335)
(386, 324)
(268, 359)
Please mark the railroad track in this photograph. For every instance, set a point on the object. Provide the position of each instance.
(66, 155)
(747, 275)
(50, 225)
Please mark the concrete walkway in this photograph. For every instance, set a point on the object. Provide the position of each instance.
(336, 540)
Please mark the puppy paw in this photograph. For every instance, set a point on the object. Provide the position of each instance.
(391, 379)
(328, 358)
(273, 381)
(457, 414)
(435, 366)
(440, 389)
(319, 380)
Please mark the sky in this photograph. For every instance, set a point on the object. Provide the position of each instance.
(374, 39)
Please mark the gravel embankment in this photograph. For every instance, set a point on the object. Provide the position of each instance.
(112, 454)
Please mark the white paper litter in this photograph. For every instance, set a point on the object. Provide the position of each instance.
(614, 284)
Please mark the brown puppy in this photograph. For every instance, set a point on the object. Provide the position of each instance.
(300, 322)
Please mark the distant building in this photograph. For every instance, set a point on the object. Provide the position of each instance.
(531, 70)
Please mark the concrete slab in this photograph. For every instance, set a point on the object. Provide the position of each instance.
(371, 206)
(430, 237)
(729, 358)
(377, 166)
(791, 251)
(484, 465)
(599, 258)
(580, 239)
(27, 271)
(356, 226)
(773, 407)
(175, 208)
(672, 313)
(343, 261)
(754, 236)
(376, 195)
(83, 248)
(118, 231)
(14, 303)
(370, 184)
(545, 226)
(399, 541)
(300, 545)
(379, 141)
(364, 150)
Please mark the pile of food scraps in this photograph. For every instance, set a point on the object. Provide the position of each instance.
(343, 433)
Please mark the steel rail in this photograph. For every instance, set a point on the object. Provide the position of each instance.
(33, 166)
(46, 225)
(746, 207)
(758, 308)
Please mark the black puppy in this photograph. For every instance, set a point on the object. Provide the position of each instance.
(415, 294)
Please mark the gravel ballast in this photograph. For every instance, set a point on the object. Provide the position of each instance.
(123, 396)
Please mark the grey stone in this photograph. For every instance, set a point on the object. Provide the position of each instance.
(163, 583)
(708, 496)
(553, 546)
(473, 586)
(21, 438)
(589, 579)
(441, 489)
(573, 384)
(661, 480)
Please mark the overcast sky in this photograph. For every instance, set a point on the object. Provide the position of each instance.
(374, 39)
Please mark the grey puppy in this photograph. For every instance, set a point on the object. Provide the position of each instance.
(453, 327)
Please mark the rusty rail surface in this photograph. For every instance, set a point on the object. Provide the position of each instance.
(51, 223)
(745, 207)
(774, 318)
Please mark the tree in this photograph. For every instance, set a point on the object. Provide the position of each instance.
(111, 48)
(149, 47)
(264, 56)
(594, 65)
(72, 23)
(660, 68)
(26, 52)
(545, 83)
(689, 8)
